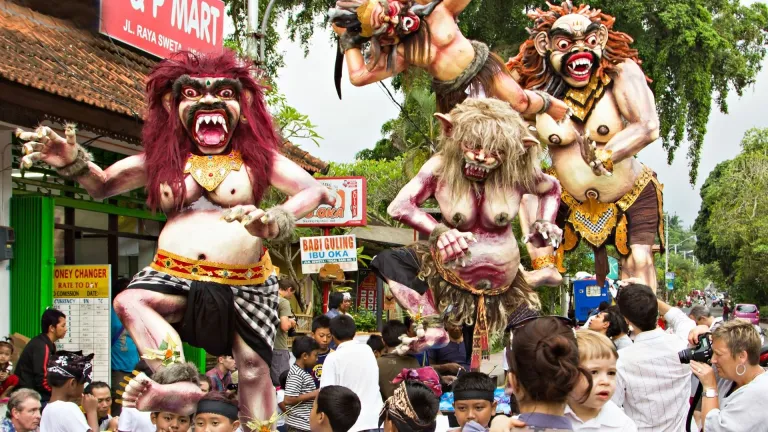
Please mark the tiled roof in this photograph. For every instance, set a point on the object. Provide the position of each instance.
(53, 55)
(303, 158)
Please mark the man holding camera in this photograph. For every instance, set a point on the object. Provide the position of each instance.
(281, 357)
(652, 384)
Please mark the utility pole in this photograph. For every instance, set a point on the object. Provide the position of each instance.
(666, 254)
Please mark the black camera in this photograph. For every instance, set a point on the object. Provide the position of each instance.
(292, 330)
(701, 353)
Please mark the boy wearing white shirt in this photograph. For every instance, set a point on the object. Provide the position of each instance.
(595, 411)
(68, 372)
(354, 366)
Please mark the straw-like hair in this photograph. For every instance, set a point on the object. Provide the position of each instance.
(595, 346)
(496, 127)
(740, 335)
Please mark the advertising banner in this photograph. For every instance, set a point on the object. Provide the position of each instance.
(318, 251)
(350, 208)
(161, 27)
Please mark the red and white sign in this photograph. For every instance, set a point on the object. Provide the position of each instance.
(161, 27)
(350, 208)
(366, 292)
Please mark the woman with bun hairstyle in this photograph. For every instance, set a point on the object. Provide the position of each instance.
(415, 403)
(543, 370)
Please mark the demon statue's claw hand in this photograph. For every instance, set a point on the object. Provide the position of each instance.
(454, 246)
(47, 146)
(597, 159)
(136, 391)
(275, 224)
(544, 233)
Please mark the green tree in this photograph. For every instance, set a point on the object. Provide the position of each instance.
(695, 51)
(733, 221)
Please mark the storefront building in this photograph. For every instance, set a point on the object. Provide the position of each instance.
(56, 70)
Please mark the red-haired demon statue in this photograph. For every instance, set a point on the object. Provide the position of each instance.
(210, 152)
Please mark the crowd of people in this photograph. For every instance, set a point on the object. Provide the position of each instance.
(620, 372)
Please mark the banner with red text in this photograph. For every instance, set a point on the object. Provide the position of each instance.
(318, 251)
(161, 27)
(350, 208)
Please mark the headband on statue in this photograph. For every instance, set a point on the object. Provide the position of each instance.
(473, 395)
(425, 375)
(217, 407)
(399, 410)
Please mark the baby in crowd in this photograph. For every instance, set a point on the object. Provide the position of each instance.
(7, 379)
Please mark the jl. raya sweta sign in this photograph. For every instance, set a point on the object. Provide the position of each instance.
(161, 27)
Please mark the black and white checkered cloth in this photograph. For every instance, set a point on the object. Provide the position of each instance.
(256, 304)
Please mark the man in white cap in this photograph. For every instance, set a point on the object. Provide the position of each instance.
(339, 304)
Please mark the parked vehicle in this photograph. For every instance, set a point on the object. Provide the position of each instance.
(748, 312)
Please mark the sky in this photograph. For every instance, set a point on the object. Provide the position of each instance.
(353, 123)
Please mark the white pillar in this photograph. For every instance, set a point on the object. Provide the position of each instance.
(5, 219)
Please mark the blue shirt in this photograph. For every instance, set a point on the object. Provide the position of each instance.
(7, 426)
(125, 355)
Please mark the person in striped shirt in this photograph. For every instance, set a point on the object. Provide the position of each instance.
(300, 388)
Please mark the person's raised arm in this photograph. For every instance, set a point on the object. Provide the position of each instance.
(456, 7)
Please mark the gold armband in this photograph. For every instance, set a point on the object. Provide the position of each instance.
(543, 261)
(604, 156)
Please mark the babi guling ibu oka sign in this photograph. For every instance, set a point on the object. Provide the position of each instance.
(318, 251)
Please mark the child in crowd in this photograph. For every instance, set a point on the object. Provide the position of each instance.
(170, 422)
(473, 399)
(300, 388)
(336, 409)
(281, 408)
(205, 383)
(595, 411)
(162, 420)
(7, 379)
(321, 332)
(216, 413)
(376, 343)
(415, 403)
(67, 374)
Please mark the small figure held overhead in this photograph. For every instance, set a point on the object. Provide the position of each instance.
(409, 33)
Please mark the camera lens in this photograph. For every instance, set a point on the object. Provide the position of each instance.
(685, 356)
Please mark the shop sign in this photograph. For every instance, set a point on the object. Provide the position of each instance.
(350, 208)
(161, 27)
(318, 251)
(82, 293)
(366, 291)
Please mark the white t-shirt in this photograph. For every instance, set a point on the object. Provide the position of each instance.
(610, 418)
(354, 366)
(280, 398)
(133, 420)
(63, 416)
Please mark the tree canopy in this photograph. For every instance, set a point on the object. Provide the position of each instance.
(732, 226)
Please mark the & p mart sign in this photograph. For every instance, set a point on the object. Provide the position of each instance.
(161, 27)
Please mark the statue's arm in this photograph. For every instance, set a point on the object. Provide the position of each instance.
(405, 207)
(456, 7)
(359, 75)
(305, 193)
(637, 106)
(548, 190)
(122, 176)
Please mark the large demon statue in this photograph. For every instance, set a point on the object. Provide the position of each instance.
(210, 152)
(469, 270)
(608, 196)
(410, 33)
